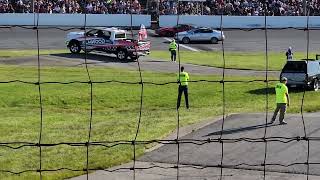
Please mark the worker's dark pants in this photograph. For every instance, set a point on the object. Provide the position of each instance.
(282, 107)
(183, 89)
(173, 55)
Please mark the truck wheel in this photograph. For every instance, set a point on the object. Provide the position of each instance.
(74, 47)
(315, 85)
(122, 55)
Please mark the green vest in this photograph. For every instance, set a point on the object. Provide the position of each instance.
(183, 77)
(173, 46)
(281, 90)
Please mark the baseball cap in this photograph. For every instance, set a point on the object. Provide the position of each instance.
(284, 79)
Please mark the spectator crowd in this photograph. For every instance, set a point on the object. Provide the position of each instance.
(71, 6)
(163, 7)
(240, 7)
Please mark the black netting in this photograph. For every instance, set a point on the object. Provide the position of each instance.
(177, 141)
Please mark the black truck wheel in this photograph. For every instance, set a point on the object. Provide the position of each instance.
(122, 55)
(74, 47)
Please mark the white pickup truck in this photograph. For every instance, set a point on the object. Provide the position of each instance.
(302, 73)
(108, 40)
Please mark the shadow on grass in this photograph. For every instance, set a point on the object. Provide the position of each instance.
(242, 129)
(91, 56)
(271, 90)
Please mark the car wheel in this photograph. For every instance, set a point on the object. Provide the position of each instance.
(185, 40)
(214, 40)
(315, 85)
(74, 47)
(122, 55)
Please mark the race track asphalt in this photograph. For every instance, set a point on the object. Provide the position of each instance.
(281, 157)
(242, 160)
(236, 40)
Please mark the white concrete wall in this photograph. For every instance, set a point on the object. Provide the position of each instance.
(77, 20)
(74, 20)
(241, 21)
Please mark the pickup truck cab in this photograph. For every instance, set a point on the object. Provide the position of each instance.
(302, 73)
(108, 40)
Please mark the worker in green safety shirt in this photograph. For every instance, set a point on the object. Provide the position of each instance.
(183, 78)
(282, 100)
(173, 50)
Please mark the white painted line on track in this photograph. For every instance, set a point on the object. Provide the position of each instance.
(214, 49)
(182, 45)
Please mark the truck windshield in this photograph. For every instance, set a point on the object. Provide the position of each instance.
(295, 67)
(120, 36)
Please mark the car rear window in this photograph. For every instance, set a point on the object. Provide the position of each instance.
(295, 67)
(120, 36)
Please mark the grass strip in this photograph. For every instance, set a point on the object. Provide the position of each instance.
(234, 60)
(21, 53)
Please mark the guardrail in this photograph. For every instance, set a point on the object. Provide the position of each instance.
(74, 20)
(241, 21)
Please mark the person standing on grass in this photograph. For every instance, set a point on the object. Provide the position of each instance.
(282, 100)
(173, 50)
(183, 78)
(289, 54)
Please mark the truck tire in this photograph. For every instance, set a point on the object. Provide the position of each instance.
(74, 47)
(315, 85)
(122, 54)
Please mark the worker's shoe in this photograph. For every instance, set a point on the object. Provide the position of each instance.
(283, 122)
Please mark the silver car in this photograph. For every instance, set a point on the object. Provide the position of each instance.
(200, 34)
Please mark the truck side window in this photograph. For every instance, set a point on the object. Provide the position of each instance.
(100, 33)
(91, 32)
(107, 34)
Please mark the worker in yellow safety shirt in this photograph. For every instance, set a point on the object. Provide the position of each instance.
(183, 78)
(173, 50)
(282, 100)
